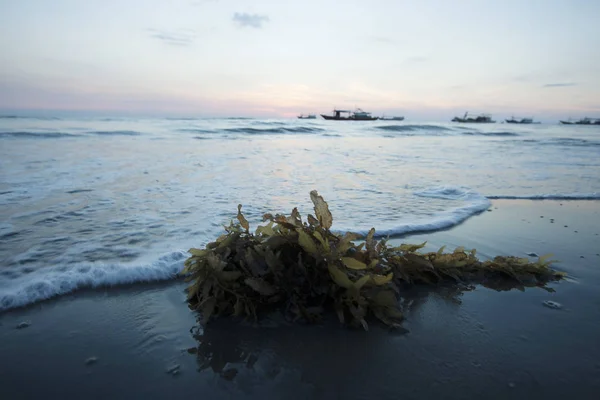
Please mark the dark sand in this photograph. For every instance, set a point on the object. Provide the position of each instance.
(132, 342)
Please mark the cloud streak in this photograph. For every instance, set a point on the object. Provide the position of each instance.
(250, 20)
(173, 38)
(559, 84)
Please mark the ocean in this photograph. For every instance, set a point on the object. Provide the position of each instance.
(87, 202)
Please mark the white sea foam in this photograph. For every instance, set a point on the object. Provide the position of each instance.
(552, 196)
(474, 204)
(450, 192)
(49, 282)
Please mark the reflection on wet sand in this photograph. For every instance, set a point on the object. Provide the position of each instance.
(229, 346)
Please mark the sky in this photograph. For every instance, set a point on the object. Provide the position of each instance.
(426, 59)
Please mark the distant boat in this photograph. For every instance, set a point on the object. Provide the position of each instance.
(309, 116)
(392, 118)
(583, 121)
(345, 115)
(512, 120)
(480, 119)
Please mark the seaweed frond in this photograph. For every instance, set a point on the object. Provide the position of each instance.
(303, 268)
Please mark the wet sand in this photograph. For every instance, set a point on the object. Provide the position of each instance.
(129, 342)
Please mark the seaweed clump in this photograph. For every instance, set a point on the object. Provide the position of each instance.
(303, 268)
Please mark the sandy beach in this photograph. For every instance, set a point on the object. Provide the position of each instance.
(143, 341)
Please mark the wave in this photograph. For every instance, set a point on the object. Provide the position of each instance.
(480, 133)
(25, 288)
(272, 123)
(50, 282)
(195, 130)
(449, 192)
(24, 117)
(438, 222)
(572, 142)
(475, 204)
(115, 133)
(412, 128)
(208, 118)
(272, 131)
(558, 196)
(37, 135)
(117, 119)
(75, 191)
(440, 130)
(565, 142)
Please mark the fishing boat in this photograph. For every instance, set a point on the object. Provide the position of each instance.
(583, 121)
(346, 115)
(513, 120)
(309, 116)
(480, 119)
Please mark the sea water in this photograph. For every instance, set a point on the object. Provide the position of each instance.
(86, 202)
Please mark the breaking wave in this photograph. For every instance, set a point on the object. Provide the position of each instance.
(54, 281)
(480, 133)
(196, 130)
(571, 142)
(115, 133)
(37, 135)
(558, 196)
(449, 192)
(475, 203)
(24, 117)
(412, 128)
(273, 131)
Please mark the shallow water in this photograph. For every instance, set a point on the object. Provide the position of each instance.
(94, 201)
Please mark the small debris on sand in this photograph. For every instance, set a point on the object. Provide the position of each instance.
(173, 369)
(552, 304)
(532, 254)
(23, 324)
(91, 360)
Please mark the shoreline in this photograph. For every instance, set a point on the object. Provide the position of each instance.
(55, 281)
(482, 342)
